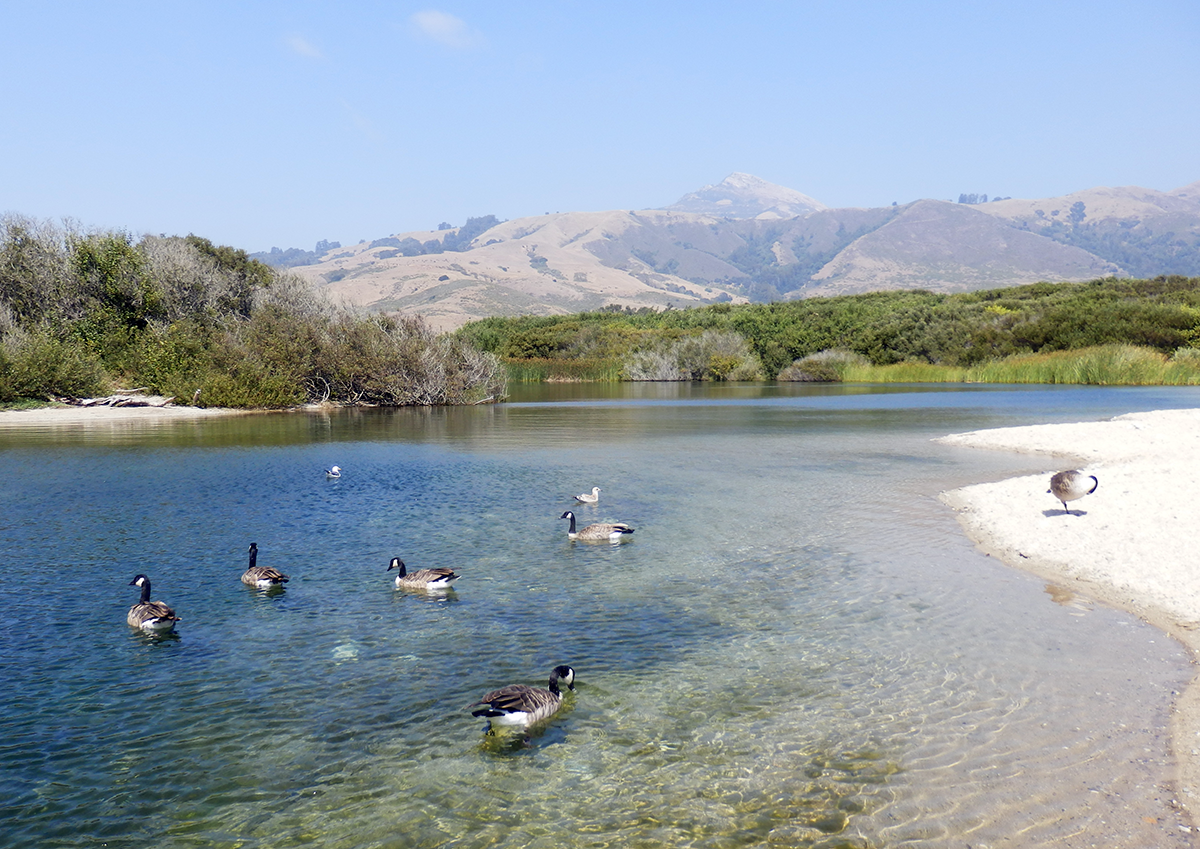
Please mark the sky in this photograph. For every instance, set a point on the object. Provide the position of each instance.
(278, 124)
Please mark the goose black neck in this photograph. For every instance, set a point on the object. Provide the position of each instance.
(572, 517)
(253, 554)
(145, 590)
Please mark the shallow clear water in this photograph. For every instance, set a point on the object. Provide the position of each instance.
(797, 648)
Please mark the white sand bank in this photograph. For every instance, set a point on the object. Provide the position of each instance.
(1132, 543)
(43, 417)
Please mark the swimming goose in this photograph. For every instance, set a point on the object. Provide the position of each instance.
(334, 472)
(522, 705)
(422, 579)
(150, 615)
(589, 499)
(601, 530)
(1072, 485)
(262, 576)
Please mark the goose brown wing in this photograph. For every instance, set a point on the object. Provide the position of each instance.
(517, 697)
(148, 610)
(605, 529)
(266, 573)
(429, 575)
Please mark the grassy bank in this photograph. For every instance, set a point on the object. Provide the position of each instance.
(950, 331)
(1105, 365)
(546, 370)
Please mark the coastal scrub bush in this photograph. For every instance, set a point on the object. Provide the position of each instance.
(398, 361)
(953, 330)
(37, 363)
(34, 268)
(84, 312)
(823, 366)
(711, 355)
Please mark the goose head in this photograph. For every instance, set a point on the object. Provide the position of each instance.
(397, 563)
(565, 674)
(143, 582)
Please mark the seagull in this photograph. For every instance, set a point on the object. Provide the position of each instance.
(589, 499)
(335, 472)
(1071, 485)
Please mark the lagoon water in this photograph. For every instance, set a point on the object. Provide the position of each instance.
(798, 647)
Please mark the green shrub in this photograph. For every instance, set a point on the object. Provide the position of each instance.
(710, 355)
(823, 366)
(208, 325)
(36, 363)
(959, 330)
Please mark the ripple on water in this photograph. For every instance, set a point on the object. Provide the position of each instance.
(796, 649)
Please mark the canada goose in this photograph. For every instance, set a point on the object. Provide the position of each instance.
(335, 472)
(522, 705)
(601, 530)
(589, 499)
(262, 576)
(1072, 485)
(150, 615)
(422, 579)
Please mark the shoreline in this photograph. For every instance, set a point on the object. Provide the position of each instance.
(100, 415)
(1126, 545)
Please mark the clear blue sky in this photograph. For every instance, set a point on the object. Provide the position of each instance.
(260, 124)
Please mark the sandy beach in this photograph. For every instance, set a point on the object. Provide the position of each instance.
(1129, 544)
(101, 416)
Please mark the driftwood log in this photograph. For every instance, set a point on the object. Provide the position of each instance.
(124, 398)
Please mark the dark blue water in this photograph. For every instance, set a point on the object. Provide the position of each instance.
(798, 647)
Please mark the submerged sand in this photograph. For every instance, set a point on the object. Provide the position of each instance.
(1130, 544)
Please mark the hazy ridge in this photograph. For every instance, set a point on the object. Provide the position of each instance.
(745, 239)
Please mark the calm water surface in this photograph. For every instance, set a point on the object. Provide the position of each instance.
(797, 648)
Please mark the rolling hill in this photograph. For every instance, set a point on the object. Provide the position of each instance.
(745, 239)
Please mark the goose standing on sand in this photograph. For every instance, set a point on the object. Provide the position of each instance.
(601, 530)
(152, 616)
(333, 473)
(422, 579)
(589, 499)
(520, 705)
(262, 576)
(1071, 486)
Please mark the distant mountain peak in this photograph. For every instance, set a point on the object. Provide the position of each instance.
(743, 195)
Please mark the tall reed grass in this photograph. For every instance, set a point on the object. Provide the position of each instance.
(546, 370)
(1104, 365)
